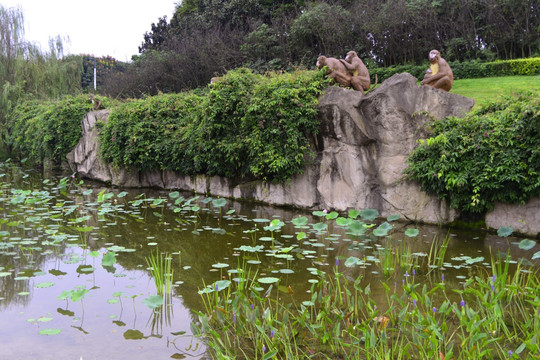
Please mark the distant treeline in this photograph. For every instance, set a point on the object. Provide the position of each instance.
(205, 38)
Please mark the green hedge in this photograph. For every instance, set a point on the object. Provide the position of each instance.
(243, 126)
(466, 70)
(41, 130)
(492, 155)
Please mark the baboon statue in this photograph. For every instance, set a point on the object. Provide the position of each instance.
(359, 73)
(439, 75)
(336, 70)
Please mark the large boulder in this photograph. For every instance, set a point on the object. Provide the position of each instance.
(524, 219)
(365, 141)
(361, 152)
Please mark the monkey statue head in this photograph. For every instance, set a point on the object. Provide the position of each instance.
(350, 56)
(434, 56)
(321, 62)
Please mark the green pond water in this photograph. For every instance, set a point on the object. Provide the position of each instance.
(75, 281)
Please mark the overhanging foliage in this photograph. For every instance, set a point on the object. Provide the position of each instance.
(492, 155)
(243, 126)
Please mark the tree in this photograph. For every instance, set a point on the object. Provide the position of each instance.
(27, 72)
(322, 29)
(154, 39)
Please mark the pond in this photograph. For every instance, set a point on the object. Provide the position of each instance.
(90, 272)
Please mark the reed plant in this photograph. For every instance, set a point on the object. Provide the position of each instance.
(437, 252)
(160, 266)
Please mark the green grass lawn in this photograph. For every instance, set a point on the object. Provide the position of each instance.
(485, 89)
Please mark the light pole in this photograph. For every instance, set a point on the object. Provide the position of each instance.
(95, 74)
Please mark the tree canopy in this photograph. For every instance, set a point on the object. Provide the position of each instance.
(205, 38)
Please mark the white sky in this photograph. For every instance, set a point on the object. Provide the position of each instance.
(94, 27)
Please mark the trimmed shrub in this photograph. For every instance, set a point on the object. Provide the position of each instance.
(466, 70)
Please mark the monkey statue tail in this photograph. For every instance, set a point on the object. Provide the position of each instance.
(373, 86)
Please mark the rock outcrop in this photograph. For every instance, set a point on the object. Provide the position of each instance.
(361, 152)
(524, 219)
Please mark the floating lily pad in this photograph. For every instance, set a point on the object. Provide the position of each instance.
(319, 227)
(132, 334)
(220, 265)
(505, 231)
(300, 221)
(44, 319)
(369, 214)
(474, 260)
(332, 215)
(352, 261)
(527, 244)
(50, 331)
(353, 213)
(383, 229)
(267, 280)
(219, 202)
(357, 228)
(341, 221)
(251, 248)
(153, 301)
(44, 284)
(412, 232)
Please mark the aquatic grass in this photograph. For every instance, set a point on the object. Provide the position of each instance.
(437, 252)
(160, 266)
(343, 319)
(394, 259)
(388, 258)
(407, 260)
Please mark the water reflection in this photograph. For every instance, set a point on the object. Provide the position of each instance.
(58, 272)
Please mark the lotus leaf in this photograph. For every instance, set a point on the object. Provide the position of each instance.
(527, 244)
(153, 301)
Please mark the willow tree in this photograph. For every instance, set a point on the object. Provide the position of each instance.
(27, 72)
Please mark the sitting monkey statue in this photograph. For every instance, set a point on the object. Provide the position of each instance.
(360, 80)
(96, 103)
(336, 70)
(439, 75)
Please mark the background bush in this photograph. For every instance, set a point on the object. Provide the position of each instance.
(245, 126)
(492, 155)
